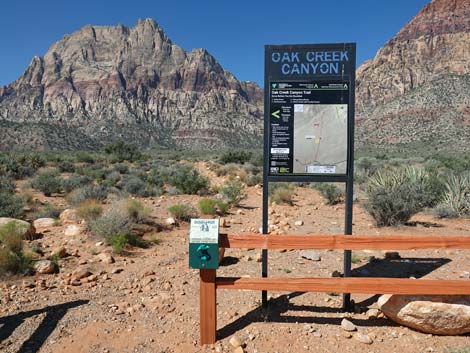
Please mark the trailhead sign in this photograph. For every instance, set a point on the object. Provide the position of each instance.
(309, 104)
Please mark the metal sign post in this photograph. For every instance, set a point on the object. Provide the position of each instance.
(309, 123)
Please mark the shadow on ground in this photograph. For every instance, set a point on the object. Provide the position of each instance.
(53, 315)
(278, 307)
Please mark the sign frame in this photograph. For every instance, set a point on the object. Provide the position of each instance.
(347, 74)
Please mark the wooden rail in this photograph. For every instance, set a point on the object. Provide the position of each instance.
(364, 285)
(368, 285)
(343, 242)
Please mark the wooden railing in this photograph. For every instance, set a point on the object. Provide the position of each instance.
(209, 283)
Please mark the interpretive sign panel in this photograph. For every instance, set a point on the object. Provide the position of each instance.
(309, 108)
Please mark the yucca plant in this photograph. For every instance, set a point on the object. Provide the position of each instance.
(457, 193)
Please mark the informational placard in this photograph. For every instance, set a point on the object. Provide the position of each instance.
(308, 108)
(204, 243)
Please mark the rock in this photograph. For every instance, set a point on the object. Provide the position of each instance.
(299, 223)
(312, 255)
(44, 267)
(72, 230)
(235, 341)
(372, 314)
(336, 273)
(42, 223)
(105, 257)
(347, 325)
(170, 221)
(68, 216)
(60, 252)
(239, 350)
(392, 255)
(346, 334)
(25, 229)
(80, 273)
(440, 315)
(363, 338)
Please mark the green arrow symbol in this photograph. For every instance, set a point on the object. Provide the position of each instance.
(273, 85)
(276, 114)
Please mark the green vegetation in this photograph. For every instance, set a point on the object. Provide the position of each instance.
(89, 210)
(457, 194)
(121, 151)
(207, 206)
(186, 179)
(88, 192)
(332, 193)
(10, 204)
(75, 181)
(281, 193)
(182, 213)
(239, 156)
(232, 192)
(48, 182)
(13, 259)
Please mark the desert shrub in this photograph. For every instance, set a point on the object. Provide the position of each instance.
(282, 196)
(96, 172)
(48, 182)
(257, 159)
(182, 213)
(227, 169)
(75, 181)
(66, 167)
(89, 210)
(457, 194)
(21, 166)
(232, 192)
(252, 169)
(444, 211)
(252, 180)
(136, 186)
(120, 241)
(155, 177)
(6, 185)
(396, 195)
(113, 222)
(207, 206)
(332, 193)
(121, 151)
(186, 179)
(84, 157)
(135, 209)
(222, 207)
(88, 192)
(12, 257)
(11, 205)
(367, 165)
(121, 168)
(235, 157)
(113, 178)
(48, 211)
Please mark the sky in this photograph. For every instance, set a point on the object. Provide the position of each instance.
(233, 31)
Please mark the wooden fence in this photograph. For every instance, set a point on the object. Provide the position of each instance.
(209, 283)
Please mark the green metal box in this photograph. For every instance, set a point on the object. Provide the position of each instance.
(204, 244)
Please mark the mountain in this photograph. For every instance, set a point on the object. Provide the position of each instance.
(415, 91)
(105, 82)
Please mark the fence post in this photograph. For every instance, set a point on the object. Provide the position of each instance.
(207, 305)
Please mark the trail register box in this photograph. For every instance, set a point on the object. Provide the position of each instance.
(204, 244)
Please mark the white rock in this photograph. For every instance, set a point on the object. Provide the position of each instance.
(363, 338)
(441, 315)
(44, 267)
(68, 216)
(170, 221)
(235, 341)
(42, 223)
(299, 223)
(348, 325)
(72, 230)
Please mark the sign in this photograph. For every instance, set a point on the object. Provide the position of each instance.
(309, 108)
(204, 244)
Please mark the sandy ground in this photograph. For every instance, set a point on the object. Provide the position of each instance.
(148, 300)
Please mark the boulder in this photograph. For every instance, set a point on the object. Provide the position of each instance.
(44, 267)
(72, 230)
(42, 223)
(439, 315)
(68, 216)
(26, 229)
(105, 257)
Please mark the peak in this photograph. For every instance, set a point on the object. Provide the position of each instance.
(147, 22)
(438, 17)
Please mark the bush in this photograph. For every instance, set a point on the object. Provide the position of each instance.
(207, 206)
(235, 157)
(232, 192)
(457, 194)
(186, 179)
(75, 181)
(89, 192)
(47, 182)
(155, 177)
(444, 211)
(182, 213)
(66, 167)
(96, 172)
(330, 192)
(120, 241)
(396, 195)
(122, 151)
(6, 185)
(282, 196)
(135, 209)
(21, 166)
(48, 211)
(113, 178)
(12, 257)
(84, 157)
(121, 168)
(136, 186)
(89, 210)
(114, 221)
(11, 205)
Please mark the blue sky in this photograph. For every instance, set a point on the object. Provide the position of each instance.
(233, 31)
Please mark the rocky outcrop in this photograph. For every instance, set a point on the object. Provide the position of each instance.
(108, 82)
(415, 89)
(440, 315)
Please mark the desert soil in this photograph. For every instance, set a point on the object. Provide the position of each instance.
(148, 300)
